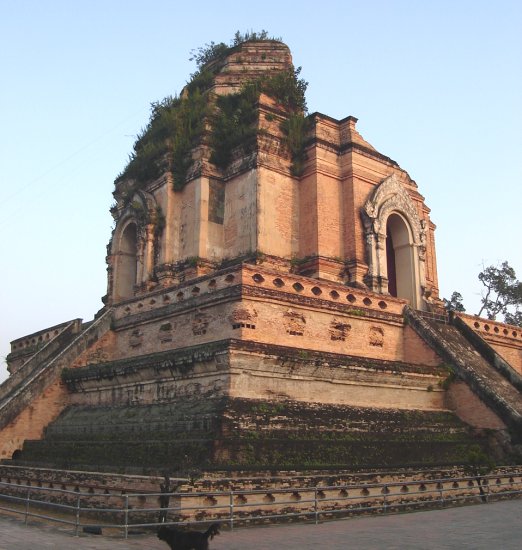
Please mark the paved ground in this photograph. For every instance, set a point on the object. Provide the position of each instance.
(478, 527)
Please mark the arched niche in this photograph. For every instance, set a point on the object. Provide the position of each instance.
(126, 262)
(395, 243)
(400, 259)
(132, 247)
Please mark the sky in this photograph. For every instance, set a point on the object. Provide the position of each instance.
(436, 86)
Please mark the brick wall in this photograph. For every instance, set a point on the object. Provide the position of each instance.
(31, 422)
(471, 409)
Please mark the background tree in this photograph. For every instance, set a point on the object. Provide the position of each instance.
(454, 303)
(502, 294)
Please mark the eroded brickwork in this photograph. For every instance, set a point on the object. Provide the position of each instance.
(32, 421)
(471, 409)
(259, 304)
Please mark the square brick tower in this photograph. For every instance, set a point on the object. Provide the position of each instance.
(258, 276)
(306, 195)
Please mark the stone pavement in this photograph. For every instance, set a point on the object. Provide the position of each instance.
(478, 527)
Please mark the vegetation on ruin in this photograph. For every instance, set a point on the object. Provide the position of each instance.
(144, 217)
(175, 127)
(451, 376)
(178, 123)
(210, 52)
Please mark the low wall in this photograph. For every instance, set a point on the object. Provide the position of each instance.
(505, 339)
(255, 497)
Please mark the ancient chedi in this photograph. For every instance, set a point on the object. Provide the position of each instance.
(272, 303)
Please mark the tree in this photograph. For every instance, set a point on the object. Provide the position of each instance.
(513, 318)
(454, 303)
(502, 294)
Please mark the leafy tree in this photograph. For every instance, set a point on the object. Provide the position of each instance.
(454, 303)
(502, 294)
(479, 464)
(514, 318)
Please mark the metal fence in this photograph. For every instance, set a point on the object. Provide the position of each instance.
(127, 513)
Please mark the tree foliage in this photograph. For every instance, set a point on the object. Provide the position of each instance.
(214, 51)
(235, 121)
(502, 293)
(177, 124)
(454, 303)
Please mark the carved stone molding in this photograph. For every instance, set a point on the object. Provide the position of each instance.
(390, 197)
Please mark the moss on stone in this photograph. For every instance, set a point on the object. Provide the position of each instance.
(233, 433)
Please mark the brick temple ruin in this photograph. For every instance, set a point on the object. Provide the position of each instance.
(266, 317)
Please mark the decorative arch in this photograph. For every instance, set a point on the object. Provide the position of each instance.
(393, 227)
(131, 255)
(127, 262)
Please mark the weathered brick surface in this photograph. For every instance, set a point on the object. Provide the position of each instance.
(256, 287)
(31, 422)
(235, 433)
(27, 405)
(505, 339)
(471, 409)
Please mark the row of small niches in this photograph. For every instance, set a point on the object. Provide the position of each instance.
(168, 298)
(342, 492)
(317, 291)
(362, 492)
(34, 341)
(497, 330)
(278, 282)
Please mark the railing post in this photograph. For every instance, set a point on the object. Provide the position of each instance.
(27, 505)
(441, 496)
(316, 506)
(126, 526)
(384, 499)
(77, 520)
(231, 507)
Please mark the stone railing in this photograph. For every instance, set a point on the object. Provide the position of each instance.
(494, 330)
(77, 498)
(36, 340)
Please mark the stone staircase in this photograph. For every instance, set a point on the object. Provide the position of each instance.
(31, 380)
(489, 377)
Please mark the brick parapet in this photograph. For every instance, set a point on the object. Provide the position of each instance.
(41, 342)
(37, 361)
(489, 353)
(494, 331)
(272, 492)
(504, 339)
(41, 336)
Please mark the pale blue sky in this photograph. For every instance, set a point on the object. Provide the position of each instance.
(437, 86)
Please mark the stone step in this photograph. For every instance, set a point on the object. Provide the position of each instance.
(244, 432)
(497, 391)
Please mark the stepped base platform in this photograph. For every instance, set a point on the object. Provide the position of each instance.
(235, 434)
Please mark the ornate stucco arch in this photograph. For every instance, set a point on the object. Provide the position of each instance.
(135, 222)
(391, 198)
